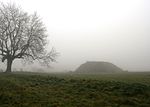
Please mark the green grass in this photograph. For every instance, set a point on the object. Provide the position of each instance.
(74, 90)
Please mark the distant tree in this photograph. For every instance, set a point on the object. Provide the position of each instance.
(22, 36)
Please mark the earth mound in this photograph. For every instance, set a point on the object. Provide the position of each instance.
(98, 67)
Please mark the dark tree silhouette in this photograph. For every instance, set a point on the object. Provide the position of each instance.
(22, 36)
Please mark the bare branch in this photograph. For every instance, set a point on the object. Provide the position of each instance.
(23, 36)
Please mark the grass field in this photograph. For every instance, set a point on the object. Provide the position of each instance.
(74, 90)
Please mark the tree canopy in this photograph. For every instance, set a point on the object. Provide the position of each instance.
(22, 36)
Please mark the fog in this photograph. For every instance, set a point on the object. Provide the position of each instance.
(116, 31)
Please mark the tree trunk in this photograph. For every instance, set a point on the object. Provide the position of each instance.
(9, 65)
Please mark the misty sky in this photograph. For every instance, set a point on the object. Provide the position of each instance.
(116, 31)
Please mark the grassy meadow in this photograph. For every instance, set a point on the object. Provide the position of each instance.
(74, 90)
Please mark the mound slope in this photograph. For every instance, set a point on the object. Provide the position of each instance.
(98, 67)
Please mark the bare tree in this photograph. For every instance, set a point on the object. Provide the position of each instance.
(22, 36)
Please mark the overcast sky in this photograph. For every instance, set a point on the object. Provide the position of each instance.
(116, 31)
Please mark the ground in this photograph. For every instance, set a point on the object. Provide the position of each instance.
(74, 90)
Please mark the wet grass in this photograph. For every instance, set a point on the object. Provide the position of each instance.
(74, 90)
